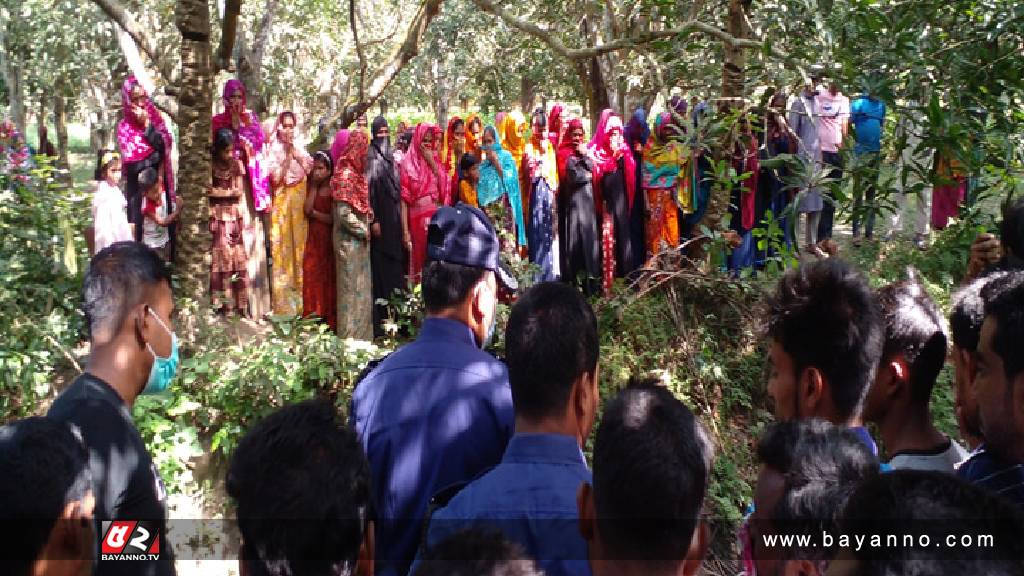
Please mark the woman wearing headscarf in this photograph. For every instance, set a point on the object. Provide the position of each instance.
(319, 280)
(555, 125)
(353, 219)
(499, 181)
(249, 138)
(425, 187)
(540, 171)
(474, 132)
(742, 200)
(637, 134)
(387, 254)
(288, 165)
(666, 186)
(145, 142)
(779, 139)
(577, 223)
(512, 133)
(615, 185)
(453, 149)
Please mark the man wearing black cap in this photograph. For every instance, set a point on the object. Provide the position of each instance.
(438, 411)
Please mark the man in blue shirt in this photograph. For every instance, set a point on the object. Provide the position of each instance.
(438, 411)
(868, 116)
(551, 346)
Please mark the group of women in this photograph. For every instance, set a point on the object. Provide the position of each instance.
(346, 228)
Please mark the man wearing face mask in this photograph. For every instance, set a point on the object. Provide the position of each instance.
(127, 303)
(438, 411)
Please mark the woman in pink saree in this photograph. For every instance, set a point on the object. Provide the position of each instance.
(145, 142)
(425, 187)
(249, 141)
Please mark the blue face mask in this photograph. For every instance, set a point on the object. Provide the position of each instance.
(164, 369)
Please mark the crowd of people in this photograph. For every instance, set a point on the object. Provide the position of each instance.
(452, 461)
(333, 233)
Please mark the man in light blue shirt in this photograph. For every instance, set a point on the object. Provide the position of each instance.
(439, 410)
(867, 114)
(551, 346)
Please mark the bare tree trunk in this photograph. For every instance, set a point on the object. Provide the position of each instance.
(60, 125)
(194, 118)
(41, 133)
(734, 67)
(15, 84)
(527, 94)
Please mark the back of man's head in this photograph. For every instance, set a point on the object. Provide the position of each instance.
(825, 315)
(45, 468)
(1004, 303)
(476, 552)
(968, 312)
(820, 465)
(118, 279)
(652, 464)
(913, 331)
(1011, 235)
(550, 342)
(447, 285)
(932, 524)
(302, 487)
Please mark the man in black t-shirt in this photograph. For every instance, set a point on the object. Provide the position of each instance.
(127, 303)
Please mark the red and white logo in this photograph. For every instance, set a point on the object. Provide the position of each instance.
(129, 540)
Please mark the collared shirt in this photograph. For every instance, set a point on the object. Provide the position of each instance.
(434, 413)
(987, 470)
(531, 498)
(126, 483)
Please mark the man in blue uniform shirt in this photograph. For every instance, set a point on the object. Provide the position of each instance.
(868, 116)
(438, 411)
(551, 345)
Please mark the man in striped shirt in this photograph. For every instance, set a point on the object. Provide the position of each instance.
(999, 389)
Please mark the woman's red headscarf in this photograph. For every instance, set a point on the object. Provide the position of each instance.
(348, 184)
(449, 141)
(567, 148)
(131, 133)
(606, 159)
(555, 125)
(418, 180)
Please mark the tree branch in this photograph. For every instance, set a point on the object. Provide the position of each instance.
(550, 38)
(129, 23)
(263, 35)
(359, 47)
(229, 29)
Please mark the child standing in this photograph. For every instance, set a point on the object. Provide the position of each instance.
(469, 171)
(156, 214)
(228, 262)
(109, 207)
(319, 292)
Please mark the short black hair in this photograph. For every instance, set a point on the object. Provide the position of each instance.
(935, 505)
(550, 341)
(445, 284)
(45, 468)
(468, 161)
(822, 465)
(913, 330)
(302, 487)
(117, 280)
(148, 178)
(825, 315)
(476, 552)
(652, 463)
(1011, 233)
(969, 312)
(1004, 303)
(222, 140)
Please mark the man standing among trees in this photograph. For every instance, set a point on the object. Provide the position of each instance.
(832, 129)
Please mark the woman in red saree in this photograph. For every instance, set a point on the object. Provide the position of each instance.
(614, 187)
(425, 187)
(318, 278)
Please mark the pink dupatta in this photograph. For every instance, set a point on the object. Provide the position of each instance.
(131, 133)
(249, 131)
